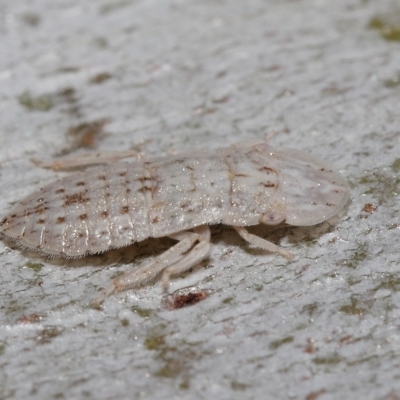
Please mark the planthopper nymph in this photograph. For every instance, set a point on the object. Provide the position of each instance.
(116, 204)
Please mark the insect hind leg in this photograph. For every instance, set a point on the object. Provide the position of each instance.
(262, 243)
(197, 254)
(174, 255)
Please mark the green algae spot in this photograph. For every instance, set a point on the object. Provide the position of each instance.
(175, 356)
(392, 82)
(228, 300)
(358, 256)
(390, 282)
(100, 42)
(100, 78)
(381, 182)
(47, 334)
(142, 312)
(278, 343)
(353, 308)
(155, 342)
(43, 102)
(30, 19)
(388, 26)
(238, 385)
(310, 308)
(113, 6)
(170, 370)
(396, 165)
(329, 360)
(34, 266)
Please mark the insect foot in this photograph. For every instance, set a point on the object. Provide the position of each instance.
(117, 204)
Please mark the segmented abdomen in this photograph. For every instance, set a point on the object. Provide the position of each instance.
(88, 212)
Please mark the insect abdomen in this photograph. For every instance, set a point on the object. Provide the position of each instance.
(89, 212)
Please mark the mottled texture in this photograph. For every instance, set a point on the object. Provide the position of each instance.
(116, 205)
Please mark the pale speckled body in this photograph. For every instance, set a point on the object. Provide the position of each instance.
(117, 204)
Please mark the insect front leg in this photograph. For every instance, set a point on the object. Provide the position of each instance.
(262, 243)
(150, 270)
(103, 157)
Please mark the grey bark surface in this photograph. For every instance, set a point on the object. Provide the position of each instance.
(170, 76)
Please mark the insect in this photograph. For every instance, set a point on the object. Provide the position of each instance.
(114, 205)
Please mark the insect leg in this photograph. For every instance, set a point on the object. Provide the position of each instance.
(198, 253)
(262, 243)
(254, 142)
(148, 271)
(83, 160)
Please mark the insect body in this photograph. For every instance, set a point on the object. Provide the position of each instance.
(121, 203)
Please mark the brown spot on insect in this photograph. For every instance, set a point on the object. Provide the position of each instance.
(82, 217)
(60, 220)
(101, 177)
(76, 198)
(58, 191)
(124, 210)
(265, 169)
(40, 221)
(40, 210)
(144, 189)
(80, 183)
(104, 214)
